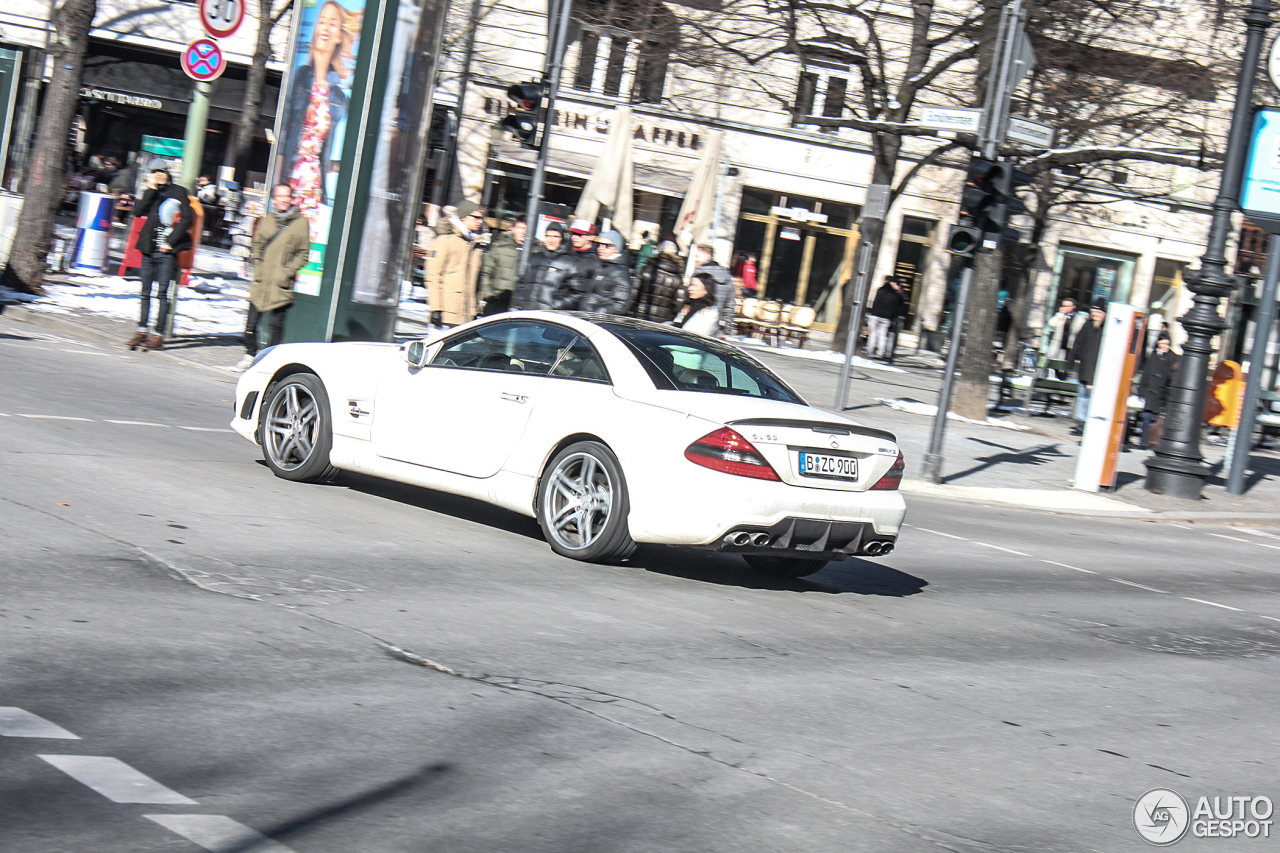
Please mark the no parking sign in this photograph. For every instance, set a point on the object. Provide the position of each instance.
(203, 60)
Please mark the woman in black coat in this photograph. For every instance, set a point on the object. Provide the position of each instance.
(658, 286)
(1153, 387)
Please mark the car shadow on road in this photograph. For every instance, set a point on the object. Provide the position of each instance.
(463, 509)
(854, 575)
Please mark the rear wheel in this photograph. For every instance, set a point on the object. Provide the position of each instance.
(583, 506)
(786, 567)
(294, 429)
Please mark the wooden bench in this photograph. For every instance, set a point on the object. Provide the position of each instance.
(1024, 389)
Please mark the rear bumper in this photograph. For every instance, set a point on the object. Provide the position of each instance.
(811, 538)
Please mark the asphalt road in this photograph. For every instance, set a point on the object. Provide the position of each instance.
(369, 667)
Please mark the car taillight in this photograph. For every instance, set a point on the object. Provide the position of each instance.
(893, 477)
(726, 451)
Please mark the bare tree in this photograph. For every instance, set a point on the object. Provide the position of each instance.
(269, 15)
(29, 259)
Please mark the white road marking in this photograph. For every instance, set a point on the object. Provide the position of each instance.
(54, 418)
(1246, 541)
(1272, 618)
(207, 429)
(138, 423)
(1232, 538)
(217, 832)
(1072, 568)
(115, 780)
(87, 352)
(15, 722)
(998, 548)
(4, 415)
(940, 533)
(1212, 604)
(1139, 586)
(1250, 530)
(1179, 526)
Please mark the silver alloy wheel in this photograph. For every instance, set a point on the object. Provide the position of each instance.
(292, 422)
(578, 501)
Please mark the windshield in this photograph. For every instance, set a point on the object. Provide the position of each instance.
(682, 362)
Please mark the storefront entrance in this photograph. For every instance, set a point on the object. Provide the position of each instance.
(805, 249)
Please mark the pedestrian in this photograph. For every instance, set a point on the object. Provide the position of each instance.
(608, 290)
(887, 306)
(499, 268)
(648, 248)
(582, 247)
(281, 247)
(658, 286)
(700, 312)
(746, 273)
(704, 261)
(1153, 387)
(167, 216)
(453, 269)
(536, 290)
(1060, 331)
(1084, 352)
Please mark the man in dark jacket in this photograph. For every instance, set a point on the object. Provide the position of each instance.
(1084, 351)
(1153, 388)
(887, 306)
(658, 286)
(167, 216)
(499, 268)
(537, 290)
(608, 291)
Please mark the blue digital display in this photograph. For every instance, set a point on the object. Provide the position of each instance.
(1260, 194)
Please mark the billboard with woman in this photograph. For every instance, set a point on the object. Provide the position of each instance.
(314, 118)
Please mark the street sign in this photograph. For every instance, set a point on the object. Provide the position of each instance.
(1031, 132)
(951, 118)
(1260, 195)
(203, 60)
(221, 18)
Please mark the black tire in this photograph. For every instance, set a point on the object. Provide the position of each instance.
(582, 504)
(295, 429)
(785, 567)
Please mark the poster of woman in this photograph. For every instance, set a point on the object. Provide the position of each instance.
(315, 114)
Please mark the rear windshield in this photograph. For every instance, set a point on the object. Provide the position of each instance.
(682, 362)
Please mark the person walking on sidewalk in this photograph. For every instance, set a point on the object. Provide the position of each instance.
(1084, 351)
(1153, 387)
(167, 218)
(705, 262)
(537, 290)
(499, 269)
(887, 306)
(281, 247)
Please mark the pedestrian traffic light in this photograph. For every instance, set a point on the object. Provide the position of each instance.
(526, 116)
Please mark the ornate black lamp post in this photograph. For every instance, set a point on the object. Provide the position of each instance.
(1177, 468)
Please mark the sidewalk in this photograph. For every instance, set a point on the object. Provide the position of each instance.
(1015, 459)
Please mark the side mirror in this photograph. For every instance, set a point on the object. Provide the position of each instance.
(415, 353)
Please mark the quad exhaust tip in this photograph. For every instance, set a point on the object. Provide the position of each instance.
(739, 538)
(879, 549)
(760, 540)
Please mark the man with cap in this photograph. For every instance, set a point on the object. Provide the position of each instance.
(1084, 351)
(608, 290)
(537, 290)
(582, 235)
(167, 216)
(454, 267)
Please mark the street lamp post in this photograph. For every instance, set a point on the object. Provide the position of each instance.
(1177, 468)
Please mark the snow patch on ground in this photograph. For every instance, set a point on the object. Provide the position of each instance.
(816, 355)
(914, 407)
(220, 313)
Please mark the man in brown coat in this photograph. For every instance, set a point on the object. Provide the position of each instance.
(454, 267)
(281, 247)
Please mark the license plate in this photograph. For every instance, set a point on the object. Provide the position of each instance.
(829, 467)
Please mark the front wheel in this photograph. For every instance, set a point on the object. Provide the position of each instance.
(295, 431)
(583, 506)
(786, 567)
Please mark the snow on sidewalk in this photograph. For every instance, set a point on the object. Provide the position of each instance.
(220, 313)
(816, 355)
(914, 407)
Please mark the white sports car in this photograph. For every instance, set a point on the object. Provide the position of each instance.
(609, 431)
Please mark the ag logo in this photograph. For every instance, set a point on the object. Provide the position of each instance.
(1161, 816)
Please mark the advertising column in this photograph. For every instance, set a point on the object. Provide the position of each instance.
(351, 141)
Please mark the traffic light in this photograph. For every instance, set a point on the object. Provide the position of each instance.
(523, 122)
(987, 203)
(964, 240)
(1006, 178)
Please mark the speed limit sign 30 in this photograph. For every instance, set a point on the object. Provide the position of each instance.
(221, 18)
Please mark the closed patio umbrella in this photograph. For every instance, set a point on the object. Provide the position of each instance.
(612, 179)
(693, 224)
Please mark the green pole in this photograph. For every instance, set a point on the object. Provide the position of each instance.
(193, 137)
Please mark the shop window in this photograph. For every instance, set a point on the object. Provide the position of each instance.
(756, 201)
(913, 254)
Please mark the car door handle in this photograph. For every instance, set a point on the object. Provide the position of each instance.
(514, 398)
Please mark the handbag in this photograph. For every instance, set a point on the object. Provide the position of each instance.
(1154, 432)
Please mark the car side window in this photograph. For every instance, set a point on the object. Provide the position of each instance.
(516, 347)
(580, 361)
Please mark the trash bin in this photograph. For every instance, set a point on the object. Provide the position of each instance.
(93, 232)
